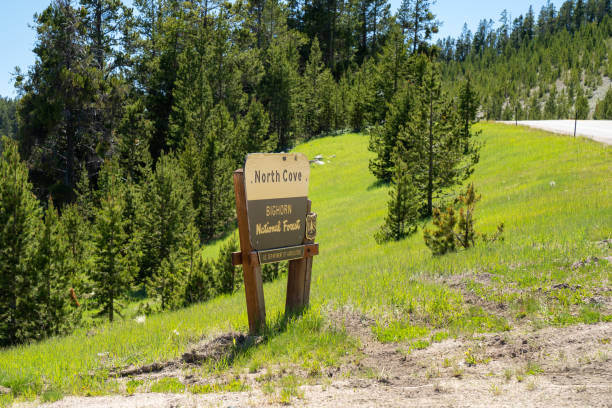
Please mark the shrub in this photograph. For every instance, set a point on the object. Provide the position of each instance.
(451, 232)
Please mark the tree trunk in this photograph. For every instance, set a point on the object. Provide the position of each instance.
(260, 8)
(99, 51)
(332, 32)
(466, 134)
(70, 135)
(111, 309)
(12, 323)
(430, 172)
(364, 32)
(417, 11)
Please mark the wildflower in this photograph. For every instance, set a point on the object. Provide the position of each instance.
(175, 332)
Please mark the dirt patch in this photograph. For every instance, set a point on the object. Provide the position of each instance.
(591, 260)
(560, 367)
(460, 282)
(223, 346)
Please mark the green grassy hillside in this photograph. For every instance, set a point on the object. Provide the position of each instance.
(552, 192)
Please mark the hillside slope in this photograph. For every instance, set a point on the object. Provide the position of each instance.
(553, 194)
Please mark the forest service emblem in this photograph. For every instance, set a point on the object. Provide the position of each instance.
(311, 226)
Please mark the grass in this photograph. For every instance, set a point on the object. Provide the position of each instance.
(398, 331)
(549, 226)
(232, 386)
(168, 384)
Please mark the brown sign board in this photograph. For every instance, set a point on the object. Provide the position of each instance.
(276, 187)
(281, 254)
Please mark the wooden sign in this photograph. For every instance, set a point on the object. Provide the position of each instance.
(281, 254)
(276, 186)
(274, 224)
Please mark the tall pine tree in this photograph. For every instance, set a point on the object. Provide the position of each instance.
(114, 254)
(57, 312)
(19, 221)
(431, 142)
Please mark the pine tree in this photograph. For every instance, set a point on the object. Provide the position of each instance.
(161, 25)
(189, 252)
(450, 233)
(465, 227)
(218, 163)
(311, 104)
(200, 284)
(280, 90)
(193, 95)
(19, 221)
(226, 272)
(442, 240)
(167, 282)
(134, 132)
(165, 215)
(534, 108)
(391, 71)
(78, 235)
(223, 71)
(384, 138)
(603, 109)
(581, 105)
(362, 97)
(468, 109)
(8, 117)
(271, 271)
(256, 125)
(113, 252)
(431, 142)
(416, 18)
(109, 38)
(550, 108)
(55, 120)
(403, 206)
(57, 313)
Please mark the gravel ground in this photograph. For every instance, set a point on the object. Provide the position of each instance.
(572, 367)
(599, 130)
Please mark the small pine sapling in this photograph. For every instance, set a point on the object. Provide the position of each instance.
(167, 282)
(465, 234)
(226, 271)
(271, 271)
(200, 284)
(403, 205)
(451, 232)
(497, 236)
(442, 239)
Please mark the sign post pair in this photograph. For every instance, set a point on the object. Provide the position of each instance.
(275, 224)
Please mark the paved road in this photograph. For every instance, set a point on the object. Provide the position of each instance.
(599, 130)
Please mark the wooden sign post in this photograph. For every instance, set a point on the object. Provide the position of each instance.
(275, 224)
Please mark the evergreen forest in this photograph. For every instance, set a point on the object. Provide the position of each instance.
(117, 153)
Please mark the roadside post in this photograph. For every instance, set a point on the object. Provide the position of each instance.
(275, 224)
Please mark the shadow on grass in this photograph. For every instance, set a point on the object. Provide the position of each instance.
(377, 184)
(219, 351)
(247, 343)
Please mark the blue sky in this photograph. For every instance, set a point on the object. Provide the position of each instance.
(17, 37)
